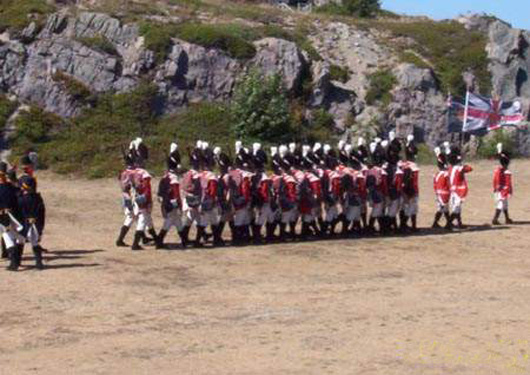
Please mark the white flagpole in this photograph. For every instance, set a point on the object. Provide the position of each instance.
(465, 111)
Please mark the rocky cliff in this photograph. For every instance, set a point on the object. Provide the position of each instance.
(40, 64)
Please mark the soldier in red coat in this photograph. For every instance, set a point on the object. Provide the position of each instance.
(442, 190)
(458, 183)
(502, 186)
(410, 185)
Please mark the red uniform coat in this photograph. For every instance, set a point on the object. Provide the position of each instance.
(457, 178)
(442, 186)
(502, 182)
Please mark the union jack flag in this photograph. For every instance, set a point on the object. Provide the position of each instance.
(482, 114)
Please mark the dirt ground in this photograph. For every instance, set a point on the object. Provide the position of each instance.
(433, 303)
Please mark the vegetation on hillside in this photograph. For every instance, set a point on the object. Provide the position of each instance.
(76, 89)
(356, 8)
(449, 47)
(15, 15)
(7, 107)
(99, 43)
(381, 83)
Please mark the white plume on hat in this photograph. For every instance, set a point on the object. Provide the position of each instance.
(174, 147)
(305, 150)
(274, 150)
(377, 140)
(327, 148)
(499, 148)
(292, 147)
(256, 147)
(384, 143)
(348, 148)
(283, 150)
(317, 146)
(217, 150)
(391, 135)
(204, 145)
(437, 151)
(341, 144)
(238, 145)
(361, 141)
(410, 138)
(447, 147)
(373, 146)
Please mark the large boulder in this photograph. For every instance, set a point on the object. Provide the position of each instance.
(283, 57)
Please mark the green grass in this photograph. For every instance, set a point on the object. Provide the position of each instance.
(15, 15)
(158, 38)
(449, 47)
(99, 43)
(412, 58)
(381, 83)
(76, 89)
(7, 107)
(339, 73)
(487, 148)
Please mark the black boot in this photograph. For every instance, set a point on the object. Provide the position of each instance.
(507, 217)
(154, 237)
(37, 251)
(270, 228)
(495, 220)
(448, 221)
(138, 235)
(123, 232)
(199, 236)
(161, 236)
(437, 217)
(304, 234)
(256, 234)
(382, 226)
(292, 231)
(345, 226)
(282, 232)
(364, 219)
(5, 254)
(459, 221)
(316, 230)
(217, 231)
(414, 221)
(236, 235)
(13, 264)
(371, 225)
(184, 236)
(146, 240)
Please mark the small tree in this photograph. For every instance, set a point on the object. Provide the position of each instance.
(260, 109)
(363, 8)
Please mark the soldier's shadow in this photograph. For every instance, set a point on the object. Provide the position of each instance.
(52, 256)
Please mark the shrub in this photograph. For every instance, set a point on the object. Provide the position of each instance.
(357, 8)
(77, 90)
(381, 83)
(338, 73)
(260, 109)
(321, 127)
(33, 127)
(7, 107)
(425, 155)
(450, 48)
(488, 145)
(158, 38)
(99, 43)
(17, 14)
(232, 38)
(412, 58)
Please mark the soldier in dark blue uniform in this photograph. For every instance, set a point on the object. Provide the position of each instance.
(32, 213)
(8, 219)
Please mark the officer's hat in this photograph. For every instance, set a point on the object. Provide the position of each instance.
(455, 156)
(504, 156)
(441, 158)
(411, 150)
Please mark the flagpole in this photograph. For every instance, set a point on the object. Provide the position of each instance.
(464, 125)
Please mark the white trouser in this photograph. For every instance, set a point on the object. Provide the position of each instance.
(441, 206)
(145, 221)
(210, 217)
(353, 213)
(173, 219)
(242, 217)
(129, 217)
(500, 202)
(393, 206)
(264, 215)
(331, 213)
(455, 202)
(290, 216)
(9, 236)
(377, 209)
(410, 206)
(190, 216)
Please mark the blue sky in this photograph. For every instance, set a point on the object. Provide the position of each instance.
(516, 12)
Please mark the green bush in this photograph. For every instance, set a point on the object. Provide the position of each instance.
(425, 155)
(260, 109)
(99, 43)
(320, 128)
(76, 89)
(17, 14)
(450, 47)
(412, 58)
(381, 83)
(338, 73)
(487, 148)
(34, 127)
(7, 107)
(158, 38)
(232, 38)
(357, 8)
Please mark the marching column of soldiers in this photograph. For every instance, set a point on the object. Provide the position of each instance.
(22, 213)
(350, 190)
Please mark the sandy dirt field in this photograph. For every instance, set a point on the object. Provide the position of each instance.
(433, 303)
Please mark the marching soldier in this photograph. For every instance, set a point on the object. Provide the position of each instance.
(410, 185)
(170, 199)
(9, 224)
(502, 186)
(442, 189)
(376, 188)
(126, 180)
(459, 187)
